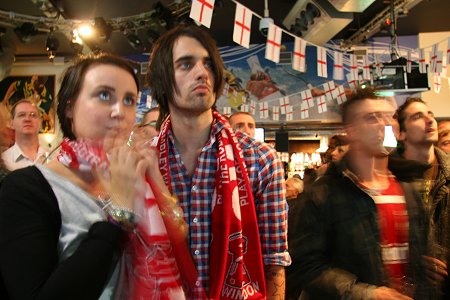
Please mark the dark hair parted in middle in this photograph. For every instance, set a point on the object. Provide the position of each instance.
(73, 80)
(161, 73)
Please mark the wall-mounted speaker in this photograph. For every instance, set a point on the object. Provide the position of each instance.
(282, 141)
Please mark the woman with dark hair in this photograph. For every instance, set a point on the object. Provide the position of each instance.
(62, 225)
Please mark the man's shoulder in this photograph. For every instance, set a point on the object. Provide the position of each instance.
(443, 159)
(9, 153)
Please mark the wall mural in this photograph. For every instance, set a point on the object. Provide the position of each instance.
(38, 88)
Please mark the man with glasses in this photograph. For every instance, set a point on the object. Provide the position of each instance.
(357, 234)
(148, 123)
(25, 121)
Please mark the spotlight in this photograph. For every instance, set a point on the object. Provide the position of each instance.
(134, 41)
(26, 31)
(102, 29)
(52, 43)
(84, 31)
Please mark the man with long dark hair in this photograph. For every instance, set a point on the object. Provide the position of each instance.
(229, 196)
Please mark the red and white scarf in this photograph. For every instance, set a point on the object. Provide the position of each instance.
(148, 266)
(236, 265)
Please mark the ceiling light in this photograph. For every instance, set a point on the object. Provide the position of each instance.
(102, 29)
(84, 31)
(52, 43)
(26, 31)
(134, 41)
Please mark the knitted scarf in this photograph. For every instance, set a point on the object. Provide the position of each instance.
(236, 266)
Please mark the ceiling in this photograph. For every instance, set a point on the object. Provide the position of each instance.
(426, 16)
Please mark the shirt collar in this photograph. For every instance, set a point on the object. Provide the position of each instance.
(18, 154)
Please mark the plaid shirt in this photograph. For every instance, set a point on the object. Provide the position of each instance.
(195, 195)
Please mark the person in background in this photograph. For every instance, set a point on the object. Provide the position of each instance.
(294, 189)
(418, 134)
(357, 232)
(340, 148)
(216, 183)
(26, 151)
(3, 170)
(148, 123)
(309, 176)
(443, 142)
(326, 157)
(58, 238)
(243, 121)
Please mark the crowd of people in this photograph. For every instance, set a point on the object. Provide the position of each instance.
(187, 204)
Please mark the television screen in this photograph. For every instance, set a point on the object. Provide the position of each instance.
(259, 134)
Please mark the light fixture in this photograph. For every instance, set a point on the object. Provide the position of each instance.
(83, 31)
(102, 29)
(52, 45)
(26, 31)
(135, 41)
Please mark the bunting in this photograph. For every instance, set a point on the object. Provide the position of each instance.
(329, 89)
(252, 107)
(422, 63)
(353, 66)
(307, 97)
(338, 69)
(408, 61)
(201, 11)
(284, 102)
(438, 63)
(242, 25)
(264, 110)
(304, 110)
(322, 62)
(437, 83)
(321, 104)
(341, 97)
(276, 113)
(433, 57)
(353, 83)
(273, 44)
(245, 108)
(289, 113)
(299, 61)
(366, 68)
(378, 65)
(448, 51)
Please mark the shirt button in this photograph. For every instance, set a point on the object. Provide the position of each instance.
(197, 283)
(196, 252)
(195, 220)
(194, 188)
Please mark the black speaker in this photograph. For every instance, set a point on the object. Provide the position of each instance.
(282, 141)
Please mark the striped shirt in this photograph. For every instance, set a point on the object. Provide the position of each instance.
(195, 195)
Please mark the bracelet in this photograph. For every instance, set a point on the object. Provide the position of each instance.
(174, 214)
(120, 216)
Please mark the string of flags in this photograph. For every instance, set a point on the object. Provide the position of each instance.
(202, 12)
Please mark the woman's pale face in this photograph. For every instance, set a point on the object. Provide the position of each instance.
(106, 104)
